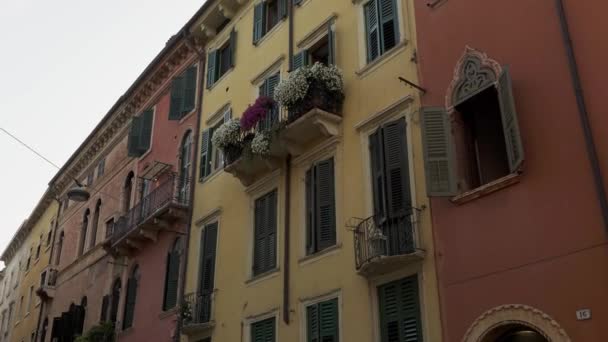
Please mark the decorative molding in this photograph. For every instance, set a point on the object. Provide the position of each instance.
(515, 314)
(276, 65)
(474, 72)
(208, 217)
(372, 121)
(317, 32)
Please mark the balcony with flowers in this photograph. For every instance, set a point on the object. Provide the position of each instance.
(305, 110)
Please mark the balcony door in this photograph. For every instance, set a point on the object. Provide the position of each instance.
(207, 273)
(184, 168)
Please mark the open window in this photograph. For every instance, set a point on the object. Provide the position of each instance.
(320, 51)
(221, 60)
(267, 14)
(212, 158)
(479, 142)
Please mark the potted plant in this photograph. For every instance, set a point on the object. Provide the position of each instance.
(257, 112)
(228, 138)
(316, 86)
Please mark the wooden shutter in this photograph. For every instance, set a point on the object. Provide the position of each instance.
(331, 45)
(258, 22)
(232, 48)
(325, 204)
(227, 115)
(389, 31)
(56, 328)
(205, 166)
(328, 324)
(171, 280)
(263, 331)
(396, 168)
(299, 60)
(282, 8)
(208, 258)
(400, 311)
(312, 323)
(378, 182)
(134, 137)
(177, 98)
(372, 30)
(105, 302)
(265, 233)
(211, 68)
(437, 144)
(130, 302)
(190, 90)
(311, 239)
(510, 125)
(272, 83)
(145, 137)
(78, 317)
(271, 204)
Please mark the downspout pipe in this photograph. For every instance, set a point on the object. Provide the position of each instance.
(286, 259)
(583, 113)
(198, 108)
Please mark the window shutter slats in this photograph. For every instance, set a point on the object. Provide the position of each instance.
(299, 60)
(271, 204)
(227, 115)
(437, 144)
(211, 67)
(134, 137)
(310, 214)
(259, 255)
(388, 24)
(312, 318)
(331, 44)
(377, 168)
(328, 314)
(145, 137)
(510, 125)
(209, 245)
(282, 8)
(205, 166)
(172, 280)
(272, 83)
(258, 22)
(177, 97)
(263, 331)
(325, 204)
(233, 48)
(400, 311)
(190, 90)
(265, 223)
(372, 30)
(396, 168)
(130, 303)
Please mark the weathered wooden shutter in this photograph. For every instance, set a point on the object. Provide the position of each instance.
(389, 31)
(510, 125)
(325, 204)
(378, 182)
(282, 8)
(145, 137)
(265, 233)
(232, 48)
(331, 45)
(328, 325)
(437, 144)
(177, 98)
(258, 22)
(396, 168)
(130, 303)
(372, 30)
(211, 68)
(299, 60)
(310, 213)
(312, 323)
(272, 83)
(208, 260)
(190, 90)
(134, 137)
(263, 331)
(205, 166)
(105, 302)
(171, 280)
(271, 204)
(400, 311)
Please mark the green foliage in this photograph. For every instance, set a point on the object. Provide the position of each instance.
(104, 332)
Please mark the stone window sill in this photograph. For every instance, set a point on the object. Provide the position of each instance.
(168, 313)
(373, 65)
(270, 32)
(219, 80)
(487, 189)
(263, 276)
(309, 259)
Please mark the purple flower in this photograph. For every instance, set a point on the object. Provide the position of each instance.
(256, 112)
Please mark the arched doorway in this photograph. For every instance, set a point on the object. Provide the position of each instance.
(514, 333)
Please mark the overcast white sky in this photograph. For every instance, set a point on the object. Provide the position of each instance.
(63, 64)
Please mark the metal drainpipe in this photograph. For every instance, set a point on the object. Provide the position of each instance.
(54, 233)
(582, 111)
(199, 105)
(290, 11)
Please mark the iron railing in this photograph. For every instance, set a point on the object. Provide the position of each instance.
(196, 308)
(377, 237)
(174, 190)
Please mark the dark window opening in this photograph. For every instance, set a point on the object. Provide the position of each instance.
(224, 60)
(482, 148)
(127, 192)
(115, 298)
(320, 52)
(272, 15)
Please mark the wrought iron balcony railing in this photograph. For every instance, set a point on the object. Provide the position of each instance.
(376, 238)
(173, 191)
(196, 309)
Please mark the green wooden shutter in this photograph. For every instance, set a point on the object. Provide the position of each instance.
(400, 311)
(260, 254)
(263, 331)
(205, 166)
(272, 83)
(172, 280)
(396, 168)
(208, 260)
(134, 137)
(190, 90)
(145, 137)
(311, 237)
(177, 98)
(331, 44)
(211, 67)
(258, 22)
(378, 182)
(271, 209)
(299, 60)
(282, 8)
(328, 324)
(437, 144)
(389, 31)
(312, 323)
(227, 115)
(510, 125)
(130, 303)
(372, 30)
(325, 204)
(232, 48)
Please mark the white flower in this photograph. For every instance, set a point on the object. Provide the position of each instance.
(228, 133)
(293, 89)
(261, 143)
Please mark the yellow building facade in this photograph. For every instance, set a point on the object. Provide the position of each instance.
(36, 238)
(299, 287)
